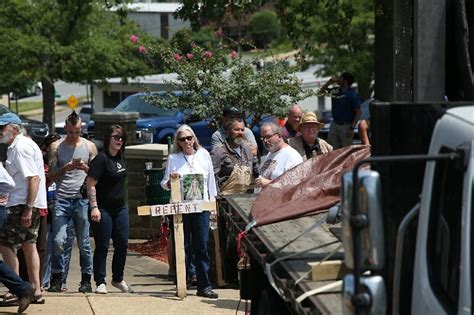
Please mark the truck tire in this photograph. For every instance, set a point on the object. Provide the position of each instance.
(271, 303)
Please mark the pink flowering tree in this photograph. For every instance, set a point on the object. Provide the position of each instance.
(212, 79)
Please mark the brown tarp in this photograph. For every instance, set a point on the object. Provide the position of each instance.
(308, 188)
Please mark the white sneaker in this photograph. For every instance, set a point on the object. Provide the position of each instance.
(123, 286)
(101, 289)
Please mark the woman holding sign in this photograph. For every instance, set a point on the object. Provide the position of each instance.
(109, 212)
(192, 164)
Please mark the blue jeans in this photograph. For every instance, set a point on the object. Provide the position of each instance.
(8, 277)
(67, 255)
(76, 209)
(113, 224)
(196, 237)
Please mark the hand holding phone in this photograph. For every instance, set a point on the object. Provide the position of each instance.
(76, 160)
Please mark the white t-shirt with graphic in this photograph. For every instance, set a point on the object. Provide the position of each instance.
(276, 163)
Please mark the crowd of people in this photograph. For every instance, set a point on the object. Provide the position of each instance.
(64, 188)
(52, 193)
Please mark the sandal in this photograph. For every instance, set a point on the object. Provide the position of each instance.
(9, 299)
(38, 299)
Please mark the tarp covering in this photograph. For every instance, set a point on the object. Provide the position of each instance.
(308, 188)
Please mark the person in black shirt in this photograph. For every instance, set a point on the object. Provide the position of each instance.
(109, 213)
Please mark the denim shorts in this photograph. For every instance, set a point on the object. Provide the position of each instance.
(13, 234)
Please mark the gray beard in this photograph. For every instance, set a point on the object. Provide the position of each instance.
(5, 138)
(238, 140)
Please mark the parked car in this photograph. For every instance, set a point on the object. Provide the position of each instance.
(156, 124)
(33, 90)
(37, 130)
(60, 129)
(86, 112)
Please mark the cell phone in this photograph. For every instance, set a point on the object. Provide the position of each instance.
(76, 160)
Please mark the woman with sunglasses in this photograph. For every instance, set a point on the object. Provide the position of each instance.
(109, 213)
(192, 164)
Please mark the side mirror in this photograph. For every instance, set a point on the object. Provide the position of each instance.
(373, 289)
(372, 256)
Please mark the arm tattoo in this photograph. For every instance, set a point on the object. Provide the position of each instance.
(91, 193)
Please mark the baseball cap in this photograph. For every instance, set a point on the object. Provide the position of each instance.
(9, 118)
(231, 111)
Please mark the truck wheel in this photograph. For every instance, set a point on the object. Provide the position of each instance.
(271, 303)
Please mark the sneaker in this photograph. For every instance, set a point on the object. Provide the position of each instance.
(101, 289)
(26, 300)
(85, 287)
(208, 293)
(122, 286)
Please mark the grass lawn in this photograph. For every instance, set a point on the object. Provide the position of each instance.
(26, 106)
(277, 47)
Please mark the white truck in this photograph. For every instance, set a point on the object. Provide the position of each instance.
(442, 276)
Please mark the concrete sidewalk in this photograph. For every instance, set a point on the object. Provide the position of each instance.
(155, 294)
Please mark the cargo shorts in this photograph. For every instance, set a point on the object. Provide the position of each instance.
(13, 233)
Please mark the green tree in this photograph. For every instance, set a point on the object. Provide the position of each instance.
(75, 41)
(210, 80)
(337, 34)
(264, 28)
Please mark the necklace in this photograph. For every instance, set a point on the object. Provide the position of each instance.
(190, 161)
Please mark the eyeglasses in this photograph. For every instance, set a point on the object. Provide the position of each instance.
(188, 138)
(263, 138)
(118, 138)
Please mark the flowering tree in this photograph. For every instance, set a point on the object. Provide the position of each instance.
(210, 80)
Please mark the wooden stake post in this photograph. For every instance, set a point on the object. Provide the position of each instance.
(177, 209)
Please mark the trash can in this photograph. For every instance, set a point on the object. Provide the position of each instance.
(155, 194)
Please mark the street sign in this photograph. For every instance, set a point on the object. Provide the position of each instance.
(72, 101)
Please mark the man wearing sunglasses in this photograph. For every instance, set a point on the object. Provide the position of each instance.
(68, 166)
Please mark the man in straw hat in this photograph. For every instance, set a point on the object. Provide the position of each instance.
(308, 144)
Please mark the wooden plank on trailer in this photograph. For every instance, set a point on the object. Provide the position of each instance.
(327, 270)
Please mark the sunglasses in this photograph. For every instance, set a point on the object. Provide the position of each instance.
(118, 138)
(188, 138)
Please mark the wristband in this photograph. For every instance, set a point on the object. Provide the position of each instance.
(28, 206)
(93, 207)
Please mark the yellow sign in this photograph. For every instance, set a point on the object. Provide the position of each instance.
(72, 101)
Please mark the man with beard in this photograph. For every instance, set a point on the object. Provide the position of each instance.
(308, 144)
(25, 164)
(280, 158)
(220, 135)
(290, 129)
(233, 161)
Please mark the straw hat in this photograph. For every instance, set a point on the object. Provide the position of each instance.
(310, 118)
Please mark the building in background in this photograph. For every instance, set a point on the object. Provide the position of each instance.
(156, 18)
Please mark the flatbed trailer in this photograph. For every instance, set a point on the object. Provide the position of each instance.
(290, 275)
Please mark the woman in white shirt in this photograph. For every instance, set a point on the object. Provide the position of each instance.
(192, 164)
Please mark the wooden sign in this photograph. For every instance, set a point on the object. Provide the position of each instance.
(177, 209)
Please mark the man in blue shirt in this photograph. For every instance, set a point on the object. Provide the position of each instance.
(345, 111)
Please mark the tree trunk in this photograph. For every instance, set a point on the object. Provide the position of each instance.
(49, 92)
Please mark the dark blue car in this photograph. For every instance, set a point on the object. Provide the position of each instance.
(162, 123)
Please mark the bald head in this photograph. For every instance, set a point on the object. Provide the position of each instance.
(294, 115)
